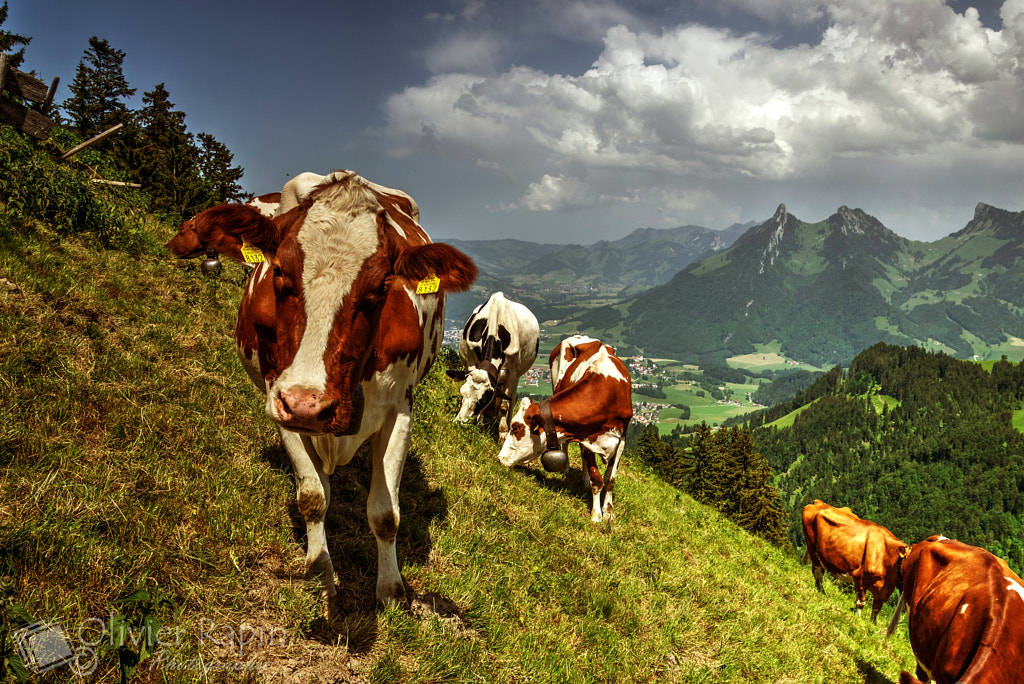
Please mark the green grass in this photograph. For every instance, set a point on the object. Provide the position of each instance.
(1018, 419)
(134, 455)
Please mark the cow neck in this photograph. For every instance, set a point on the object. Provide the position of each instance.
(549, 424)
(491, 370)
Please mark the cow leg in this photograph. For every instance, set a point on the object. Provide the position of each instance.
(876, 608)
(592, 477)
(390, 445)
(312, 494)
(858, 585)
(609, 480)
(504, 417)
(818, 572)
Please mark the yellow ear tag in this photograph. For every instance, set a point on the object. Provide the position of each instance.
(428, 285)
(251, 254)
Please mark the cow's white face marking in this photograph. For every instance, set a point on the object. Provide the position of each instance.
(1015, 587)
(262, 270)
(472, 391)
(526, 448)
(337, 236)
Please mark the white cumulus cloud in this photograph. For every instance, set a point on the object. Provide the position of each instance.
(905, 81)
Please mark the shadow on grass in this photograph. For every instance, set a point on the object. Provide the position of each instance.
(352, 545)
(870, 673)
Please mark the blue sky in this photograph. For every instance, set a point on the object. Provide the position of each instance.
(582, 120)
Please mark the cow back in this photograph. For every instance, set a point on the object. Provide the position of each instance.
(965, 613)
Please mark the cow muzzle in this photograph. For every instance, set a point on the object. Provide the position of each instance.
(312, 411)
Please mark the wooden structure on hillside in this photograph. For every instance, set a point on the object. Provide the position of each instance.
(27, 89)
(38, 124)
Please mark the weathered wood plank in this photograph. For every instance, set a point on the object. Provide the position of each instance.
(20, 84)
(24, 119)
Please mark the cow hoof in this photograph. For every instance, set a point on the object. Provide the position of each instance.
(393, 596)
(330, 605)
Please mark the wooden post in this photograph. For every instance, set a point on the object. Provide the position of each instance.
(49, 95)
(91, 141)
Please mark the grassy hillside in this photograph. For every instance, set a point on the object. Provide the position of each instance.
(134, 458)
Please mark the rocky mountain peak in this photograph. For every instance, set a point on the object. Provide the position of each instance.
(850, 221)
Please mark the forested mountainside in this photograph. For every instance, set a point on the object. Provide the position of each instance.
(917, 441)
(826, 290)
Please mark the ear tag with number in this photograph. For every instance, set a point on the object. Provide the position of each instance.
(251, 253)
(428, 285)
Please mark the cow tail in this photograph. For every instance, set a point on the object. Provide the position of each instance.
(896, 616)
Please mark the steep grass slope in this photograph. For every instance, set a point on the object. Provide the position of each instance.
(135, 462)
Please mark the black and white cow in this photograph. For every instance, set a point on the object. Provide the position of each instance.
(499, 344)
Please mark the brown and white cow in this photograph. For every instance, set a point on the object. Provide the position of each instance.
(592, 405)
(851, 548)
(336, 326)
(499, 344)
(266, 204)
(965, 612)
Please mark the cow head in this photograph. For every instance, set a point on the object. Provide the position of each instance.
(333, 265)
(479, 390)
(526, 439)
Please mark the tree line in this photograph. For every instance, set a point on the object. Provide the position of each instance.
(721, 468)
(181, 172)
(920, 442)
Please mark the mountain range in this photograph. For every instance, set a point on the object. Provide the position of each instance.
(824, 291)
(540, 275)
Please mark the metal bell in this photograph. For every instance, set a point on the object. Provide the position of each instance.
(210, 265)
(555, 461)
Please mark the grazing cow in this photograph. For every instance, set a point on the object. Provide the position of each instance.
(499, 344)
(567, 352)
(965, 612)
(851, 548)
(336, 326)
(266, 204)
(592, 405)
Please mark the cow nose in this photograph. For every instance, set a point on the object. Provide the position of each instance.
(304, 407)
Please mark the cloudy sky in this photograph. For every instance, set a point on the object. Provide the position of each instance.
(580, 120)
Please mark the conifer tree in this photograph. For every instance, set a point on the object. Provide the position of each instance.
(219, 176)
(165, 157)
(9, 40)
(649, 448)
(99, 91)
(734, 478)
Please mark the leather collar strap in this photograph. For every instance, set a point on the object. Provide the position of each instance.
(549, 424)
(491, 370)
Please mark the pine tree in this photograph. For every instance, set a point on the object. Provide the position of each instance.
(759, 507)
(165, 157)
(734, 478)
(10, 40)
(649, 448)
(99, 91)
(220, 177)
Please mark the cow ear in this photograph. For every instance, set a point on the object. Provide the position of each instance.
(224, 229)
(457, 374)
(533, 419)
(454, 271)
